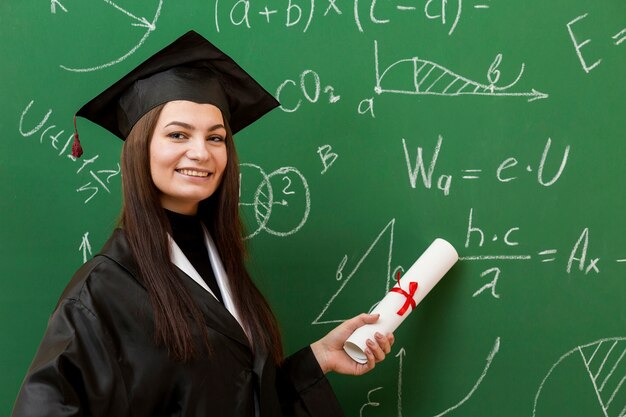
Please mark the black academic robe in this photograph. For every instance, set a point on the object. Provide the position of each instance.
(98, 358)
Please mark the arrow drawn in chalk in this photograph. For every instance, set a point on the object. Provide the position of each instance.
(143, 22)
(140, 22)
(85, 247)
(54, 4)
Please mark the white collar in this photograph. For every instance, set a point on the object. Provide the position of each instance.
(178, 258)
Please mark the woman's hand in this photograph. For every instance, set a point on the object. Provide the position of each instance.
(330, 354)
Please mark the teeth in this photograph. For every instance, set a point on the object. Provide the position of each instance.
(193, 173)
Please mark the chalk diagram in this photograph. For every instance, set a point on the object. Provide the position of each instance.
(600, 367)
(400, 355)
(429, 78)
(278, 194)
(337, 309)
(140, 22)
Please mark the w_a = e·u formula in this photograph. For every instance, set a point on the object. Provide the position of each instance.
(504, 170)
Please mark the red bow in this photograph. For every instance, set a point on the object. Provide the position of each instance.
(409, 296)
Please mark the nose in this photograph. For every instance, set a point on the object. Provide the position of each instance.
(198, 149)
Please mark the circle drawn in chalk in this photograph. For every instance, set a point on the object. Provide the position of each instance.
(287, 191)
(139, 21)
(262, 203)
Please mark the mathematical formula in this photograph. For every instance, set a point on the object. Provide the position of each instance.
(506, 170)
(60, 143)
(301, 14)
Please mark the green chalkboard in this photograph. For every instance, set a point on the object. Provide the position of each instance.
(496, 125)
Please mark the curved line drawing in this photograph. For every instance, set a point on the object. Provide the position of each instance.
(440, 81)
(604, 402)
(492, 354)
(457, 18)
(515, 81)
(257, 200)
(151, 27)
(307, 196)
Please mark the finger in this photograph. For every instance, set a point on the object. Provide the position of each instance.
(376, 350)
(391, 338)
(383, 342)
(371, 360)
(360, 320)
(370, 318)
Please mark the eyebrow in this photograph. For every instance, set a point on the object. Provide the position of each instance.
(191, 127)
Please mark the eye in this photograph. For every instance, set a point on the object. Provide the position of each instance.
(176, 135)
(215, 138)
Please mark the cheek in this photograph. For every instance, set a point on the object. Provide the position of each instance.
(158, 167)
(222, 160)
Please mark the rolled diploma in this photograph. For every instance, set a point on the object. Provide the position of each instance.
(426, 271)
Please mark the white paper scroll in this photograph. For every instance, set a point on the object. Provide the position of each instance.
(405, 295)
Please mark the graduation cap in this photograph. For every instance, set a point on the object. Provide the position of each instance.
(190, 68)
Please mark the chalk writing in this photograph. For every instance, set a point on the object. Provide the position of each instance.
(264, 200)
(617, 38)
(491, 285)
(240, 12)
(604, 363)
(578, 45)
(369, 402)
(444, 182)
(295, 14)
(579, 253)
(327, 156)
(52, 133)
(99, 183)
(506, 171)
(310, 88)
(150, 26)
(508, 240)
(579, 259)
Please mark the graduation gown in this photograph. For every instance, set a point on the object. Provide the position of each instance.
(98, 358)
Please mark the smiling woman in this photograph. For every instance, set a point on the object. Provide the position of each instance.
(188, 154)
(166, 320)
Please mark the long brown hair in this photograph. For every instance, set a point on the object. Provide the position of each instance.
(146, 227)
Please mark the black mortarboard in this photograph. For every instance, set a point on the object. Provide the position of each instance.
(190, 68)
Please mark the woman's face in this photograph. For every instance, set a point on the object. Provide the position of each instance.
(187, 154)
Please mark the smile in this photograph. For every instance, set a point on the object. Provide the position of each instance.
(193, 173)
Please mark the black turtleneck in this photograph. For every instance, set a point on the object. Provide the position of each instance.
(189, 236)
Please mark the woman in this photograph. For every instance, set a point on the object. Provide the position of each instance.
(166, 320)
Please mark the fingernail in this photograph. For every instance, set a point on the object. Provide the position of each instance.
(369, 342)
(378, 335)
(368, 352)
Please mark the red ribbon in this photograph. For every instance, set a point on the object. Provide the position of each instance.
(409, 296)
